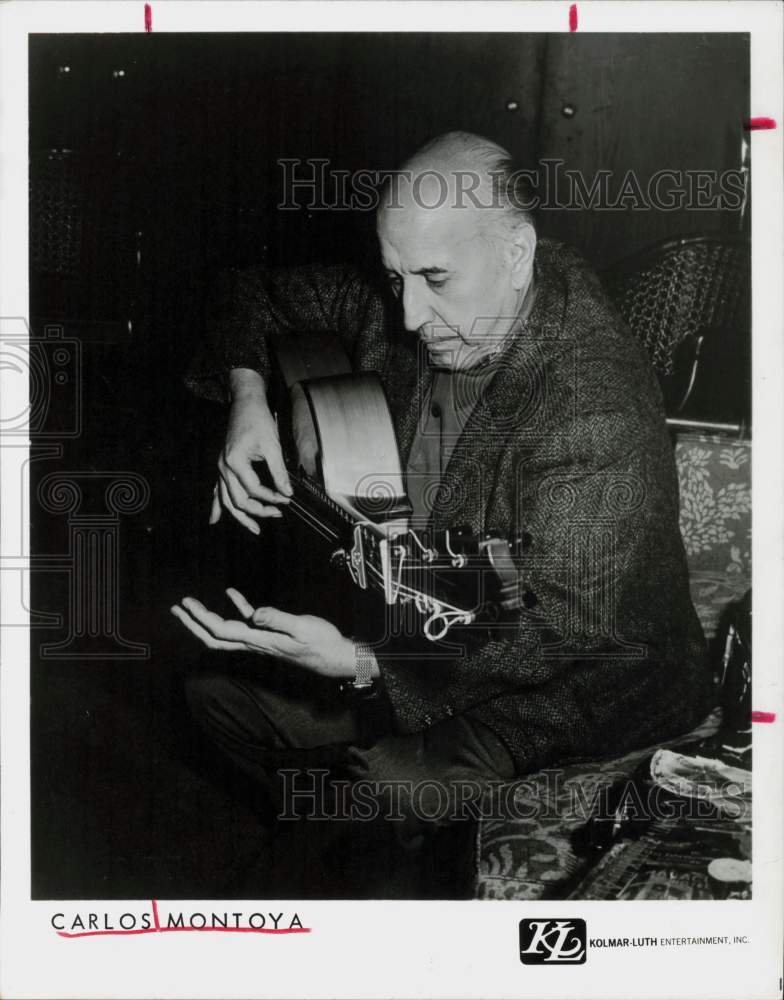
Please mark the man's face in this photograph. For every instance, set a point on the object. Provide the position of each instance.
(456, 285)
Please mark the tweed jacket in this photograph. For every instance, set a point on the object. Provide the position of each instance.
(567, 448)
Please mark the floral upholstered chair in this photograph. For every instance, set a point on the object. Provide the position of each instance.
(714, 474)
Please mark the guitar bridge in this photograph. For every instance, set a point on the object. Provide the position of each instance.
(372, 550)
(356, 559)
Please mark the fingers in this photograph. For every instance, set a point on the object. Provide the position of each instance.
(252, 435)
(218, 633)
(277, 470)
(238, 515)
(249, 481)
(244, 606)
(201, 633)
(233, 496)
(221, 628)
(215, 510)
(220, 493)
(278, 621)
(241, 500)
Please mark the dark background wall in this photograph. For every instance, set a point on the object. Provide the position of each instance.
(171, 146)
(153, 164)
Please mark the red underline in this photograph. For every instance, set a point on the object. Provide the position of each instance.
(158, 929)
(573, 17)
(763, 716)
(171, 930)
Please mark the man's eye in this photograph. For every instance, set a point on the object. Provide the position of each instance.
(395, 283)
(436, 282)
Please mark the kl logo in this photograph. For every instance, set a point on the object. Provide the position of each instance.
(552, 942)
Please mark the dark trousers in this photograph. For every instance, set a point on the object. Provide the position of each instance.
(344, 787)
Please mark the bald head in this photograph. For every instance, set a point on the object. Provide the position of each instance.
(460, 149)
(466, 173)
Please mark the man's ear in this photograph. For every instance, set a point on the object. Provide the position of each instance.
(521, 249)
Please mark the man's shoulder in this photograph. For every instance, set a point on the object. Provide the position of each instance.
(576, 307)
(564, 270)
(591, 355)
(558, 255)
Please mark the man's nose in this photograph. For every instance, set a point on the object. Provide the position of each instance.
(416, 311)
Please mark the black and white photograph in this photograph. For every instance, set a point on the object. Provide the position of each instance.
(387, 462)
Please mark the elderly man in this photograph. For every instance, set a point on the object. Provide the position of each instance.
(536, 414)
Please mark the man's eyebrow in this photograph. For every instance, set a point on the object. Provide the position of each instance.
(424, 271)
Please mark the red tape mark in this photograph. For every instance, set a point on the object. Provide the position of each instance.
(573, 17)
(756, 123)
(763, 716)
(147, 17)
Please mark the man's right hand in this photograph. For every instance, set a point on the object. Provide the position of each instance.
(252, 436)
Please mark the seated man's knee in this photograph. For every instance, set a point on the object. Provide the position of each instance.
(203, 693)
(226, 709)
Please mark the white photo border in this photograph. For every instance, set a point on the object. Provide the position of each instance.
(391, 948)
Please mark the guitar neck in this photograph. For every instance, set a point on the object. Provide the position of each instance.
(363, 545)
(313, 505)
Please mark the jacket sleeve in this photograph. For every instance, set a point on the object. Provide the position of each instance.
(246, 307)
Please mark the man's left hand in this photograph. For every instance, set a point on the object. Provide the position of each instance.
(304, 640)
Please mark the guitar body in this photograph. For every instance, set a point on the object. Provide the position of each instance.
(340, 430)
(340, 448)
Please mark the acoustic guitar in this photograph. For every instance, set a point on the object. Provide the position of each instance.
(342, 457)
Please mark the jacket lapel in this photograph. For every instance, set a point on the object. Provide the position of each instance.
(512, 399)
(409, 380)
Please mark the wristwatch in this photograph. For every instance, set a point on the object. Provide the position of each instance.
(364, 661)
